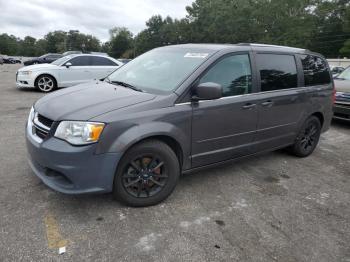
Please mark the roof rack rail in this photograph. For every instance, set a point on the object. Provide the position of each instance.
(267, 45)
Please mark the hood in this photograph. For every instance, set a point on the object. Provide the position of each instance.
(85, 101)
(342, 85)
(37, 67)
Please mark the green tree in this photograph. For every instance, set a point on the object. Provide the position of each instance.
(160, 32)
(331, 31)
(91, 43)
(28, 46)
(345, 50)
(40, 47)
(121, 42)
(9, 44)
(56, 41)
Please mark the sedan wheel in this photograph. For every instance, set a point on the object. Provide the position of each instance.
(46, 84)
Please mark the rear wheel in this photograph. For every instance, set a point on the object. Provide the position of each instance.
(308, 138)
(147, 174)
(45, 83)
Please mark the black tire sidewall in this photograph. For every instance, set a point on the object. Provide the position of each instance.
(172, 165)
(297, 150)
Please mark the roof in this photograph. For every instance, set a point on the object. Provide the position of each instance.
(75, 55)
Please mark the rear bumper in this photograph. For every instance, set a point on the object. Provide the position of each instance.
(70, 169)
(341, 111)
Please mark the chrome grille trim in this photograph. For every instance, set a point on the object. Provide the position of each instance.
(39, 125)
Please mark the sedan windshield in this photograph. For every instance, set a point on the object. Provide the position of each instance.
(345, 74)
(61, 60)
(160, 70)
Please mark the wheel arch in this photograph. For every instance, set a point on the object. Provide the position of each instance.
(168, 140)
(45, 74)
(320, 117)
(167, 133)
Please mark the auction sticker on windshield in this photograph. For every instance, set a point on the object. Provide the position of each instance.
(196, 55)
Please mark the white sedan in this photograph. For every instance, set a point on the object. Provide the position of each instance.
(66, 71)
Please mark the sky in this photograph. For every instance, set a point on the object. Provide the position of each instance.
(37, 17)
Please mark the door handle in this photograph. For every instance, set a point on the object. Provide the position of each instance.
(267, 103)
(248, 106)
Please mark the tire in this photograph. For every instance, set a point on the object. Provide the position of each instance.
(147, 174)
(307, 138)
(45, 83)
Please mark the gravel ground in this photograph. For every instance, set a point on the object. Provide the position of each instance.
(274, 207)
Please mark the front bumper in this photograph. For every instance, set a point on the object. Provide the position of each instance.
(341, 110)
(70, 169)
(23, 81)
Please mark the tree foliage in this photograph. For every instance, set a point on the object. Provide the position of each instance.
(121, 42)
(319, 25)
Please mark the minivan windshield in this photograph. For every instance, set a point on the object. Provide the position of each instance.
(61, 60)
(345, 74)
(160, 70)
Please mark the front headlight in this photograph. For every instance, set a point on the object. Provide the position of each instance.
(79, 133)
(24, 72)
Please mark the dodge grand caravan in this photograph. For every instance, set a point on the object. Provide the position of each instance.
(176, 109)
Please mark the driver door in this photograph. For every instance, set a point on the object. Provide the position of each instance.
(78, 72)
(225, 128)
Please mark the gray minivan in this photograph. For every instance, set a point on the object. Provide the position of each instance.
(176, 109)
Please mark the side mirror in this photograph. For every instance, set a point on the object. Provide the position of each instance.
(68, 64)
(207, 91)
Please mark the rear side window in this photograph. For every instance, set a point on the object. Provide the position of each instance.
(101, 61)
(277, 71)
(316, 71)
(233, 73)
(80, 61)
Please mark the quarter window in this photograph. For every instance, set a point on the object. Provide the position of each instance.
(277, 71)
(101, 61)
(233, 73)
(80, 61)
(316, 71)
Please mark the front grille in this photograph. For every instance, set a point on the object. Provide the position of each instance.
(45, 121)
(342, 97)
(41, 126)
(342, 104)
(40, 133)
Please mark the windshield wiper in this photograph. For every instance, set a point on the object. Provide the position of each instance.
(127, 85)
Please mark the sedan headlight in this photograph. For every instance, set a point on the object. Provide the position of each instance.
(79, 133)
(25, 73)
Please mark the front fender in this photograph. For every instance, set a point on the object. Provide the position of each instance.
(139, 132)
(36, 74)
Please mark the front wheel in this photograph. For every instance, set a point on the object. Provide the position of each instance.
(307, 138)
(45, 83)
(147, 174)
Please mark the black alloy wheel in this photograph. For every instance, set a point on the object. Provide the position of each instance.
(308, 137)
(147, 174)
